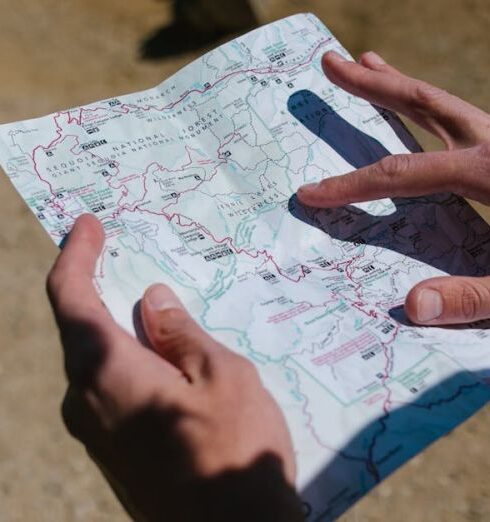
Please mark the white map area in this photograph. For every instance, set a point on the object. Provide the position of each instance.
(194, 181)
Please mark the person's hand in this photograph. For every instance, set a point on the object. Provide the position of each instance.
(184, 431)
(464, 168)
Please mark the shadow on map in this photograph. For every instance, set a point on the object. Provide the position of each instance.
(414, 229)
(139, 328)
(392, 439)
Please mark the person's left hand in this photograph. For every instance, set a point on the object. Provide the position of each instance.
(185, 432)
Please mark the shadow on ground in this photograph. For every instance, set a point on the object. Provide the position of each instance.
(196, 26)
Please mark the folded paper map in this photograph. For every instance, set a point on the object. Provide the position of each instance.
(195, 184)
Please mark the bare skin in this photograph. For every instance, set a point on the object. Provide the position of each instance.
(463, 168)
(183, 431)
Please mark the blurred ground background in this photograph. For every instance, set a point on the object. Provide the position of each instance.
(60, 53)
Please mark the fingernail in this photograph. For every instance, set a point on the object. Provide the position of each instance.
(160, 298)
(334, 55)
(375, 58)
(308, 187)
(429, 305)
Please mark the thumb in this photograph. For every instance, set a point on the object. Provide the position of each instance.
(449, 300)
(173, 333)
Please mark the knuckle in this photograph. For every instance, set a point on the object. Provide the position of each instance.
(473, 300)
(477, 177)
(89, 415)
(425, 95)
(475, 184)
(341, 186)
(392, 167)
(484, 153)
(324, 185)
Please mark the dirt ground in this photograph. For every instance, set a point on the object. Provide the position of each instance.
(60, 53)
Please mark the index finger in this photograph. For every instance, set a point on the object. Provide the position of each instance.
(402, 175)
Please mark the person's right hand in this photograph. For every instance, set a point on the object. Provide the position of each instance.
(464, 168)
(183, 431)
